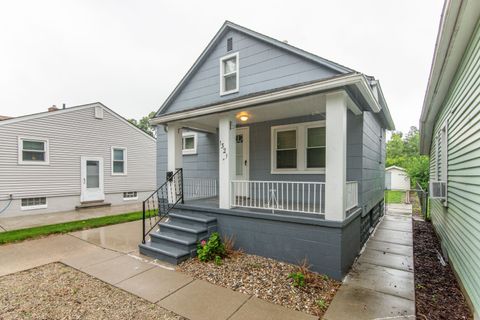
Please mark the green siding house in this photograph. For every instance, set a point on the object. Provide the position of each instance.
(450, 134)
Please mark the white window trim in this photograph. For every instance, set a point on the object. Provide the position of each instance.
(125, 161)
(40, 206)
(222, 75)
(131, 198)
(301, 146)
(195, 140)
(46, 162)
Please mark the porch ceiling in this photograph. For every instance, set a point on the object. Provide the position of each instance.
(302, 106)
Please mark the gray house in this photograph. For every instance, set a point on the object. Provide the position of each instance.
(74, 157)
(277, 147)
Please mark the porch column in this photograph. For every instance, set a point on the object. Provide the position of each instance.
(226, 161)
(336, 156)
(174, 156)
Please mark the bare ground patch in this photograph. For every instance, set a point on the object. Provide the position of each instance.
(56, 291)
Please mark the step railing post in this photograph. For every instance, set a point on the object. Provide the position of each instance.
(143, 225)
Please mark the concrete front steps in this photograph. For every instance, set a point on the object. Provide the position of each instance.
(176, 239)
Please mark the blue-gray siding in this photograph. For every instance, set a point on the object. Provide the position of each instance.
(373, 167)
(262, 67)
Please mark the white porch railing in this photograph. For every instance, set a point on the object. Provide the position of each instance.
(199, 188)
(352, 195)
(305, 197)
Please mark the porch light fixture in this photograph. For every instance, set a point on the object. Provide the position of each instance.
(243, 116)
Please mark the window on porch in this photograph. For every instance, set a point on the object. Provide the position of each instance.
(299, 148)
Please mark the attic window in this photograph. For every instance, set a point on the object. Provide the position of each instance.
(229, 74)
(229, 44)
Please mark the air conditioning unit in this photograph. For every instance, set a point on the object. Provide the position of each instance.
(438, 190)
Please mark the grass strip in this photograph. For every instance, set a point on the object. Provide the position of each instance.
(35, 232)
(394, 196)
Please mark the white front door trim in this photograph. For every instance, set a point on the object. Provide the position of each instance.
(245, 131)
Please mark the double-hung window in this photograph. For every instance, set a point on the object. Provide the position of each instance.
(316, 147)
(189, 143)
(119, 161)
(298, 148)
(33, 151)
(229, 74)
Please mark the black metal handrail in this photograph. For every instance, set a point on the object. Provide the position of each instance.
(158, 205)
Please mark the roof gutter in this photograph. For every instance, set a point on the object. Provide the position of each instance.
(356, 79)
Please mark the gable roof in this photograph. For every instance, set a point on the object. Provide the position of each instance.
(70, 109)
(457, 24)
(395, 167)
(279, 44)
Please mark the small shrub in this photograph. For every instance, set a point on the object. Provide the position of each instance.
(298, 279)
(324, 277)
(218, 260)
(208, 250)
(322, 304)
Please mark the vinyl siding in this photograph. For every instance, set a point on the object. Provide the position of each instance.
(71, 135)
(458, 225)
(373, 158)
(203, 165)
(262, 67)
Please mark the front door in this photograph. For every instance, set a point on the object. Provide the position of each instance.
(92, 179)
(242, 164)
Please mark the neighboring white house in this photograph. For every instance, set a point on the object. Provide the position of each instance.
(396, 178)
(66, 158)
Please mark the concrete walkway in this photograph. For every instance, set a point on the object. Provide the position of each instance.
(36, 220)
(111, 255)
(381, 283)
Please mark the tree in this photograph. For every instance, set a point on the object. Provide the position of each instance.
(404, 151)
(144, 123)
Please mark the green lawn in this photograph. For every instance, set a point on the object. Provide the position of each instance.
(394, 196)
(22, 234)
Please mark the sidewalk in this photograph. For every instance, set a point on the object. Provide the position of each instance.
(381, 283)
(36, 220)
(111, 255)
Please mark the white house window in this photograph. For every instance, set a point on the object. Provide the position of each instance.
(286, 153)
(298, 148)
(229, 74)
(32, 151)
(316, 147)
(131, 195)
(189, 143)
(119, 161)
(34, 203)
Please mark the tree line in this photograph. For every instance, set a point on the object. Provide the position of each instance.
(404, 151)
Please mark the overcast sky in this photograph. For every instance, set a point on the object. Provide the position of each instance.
(131, 54)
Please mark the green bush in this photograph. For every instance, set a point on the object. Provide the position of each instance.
(298, 279)
(211, 249)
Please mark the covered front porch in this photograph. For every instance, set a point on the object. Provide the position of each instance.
(283, 157)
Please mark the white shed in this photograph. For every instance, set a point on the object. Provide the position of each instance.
(396, 178)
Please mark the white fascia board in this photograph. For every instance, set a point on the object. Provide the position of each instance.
(337, 82)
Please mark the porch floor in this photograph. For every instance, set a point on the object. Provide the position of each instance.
(213, 203)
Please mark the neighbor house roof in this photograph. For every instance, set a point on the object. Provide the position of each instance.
(457, 24)
(285, 46)
(67, 110)
(395, 167)
(4, 118)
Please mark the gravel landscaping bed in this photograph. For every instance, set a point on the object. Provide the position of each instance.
(55, 291)
(437, 293)
(267, 279)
